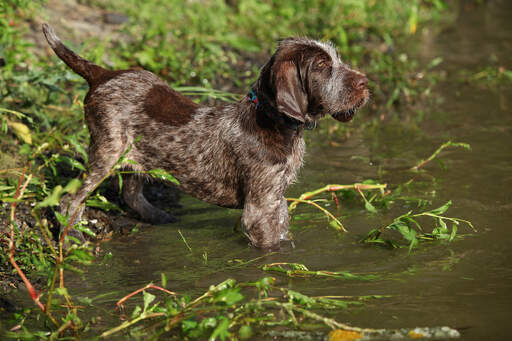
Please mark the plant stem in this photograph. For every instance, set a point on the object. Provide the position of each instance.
(326, 212)
(334, 188)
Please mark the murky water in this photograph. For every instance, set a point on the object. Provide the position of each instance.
(466, 284)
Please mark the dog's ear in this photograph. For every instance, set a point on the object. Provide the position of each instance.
(291, 97)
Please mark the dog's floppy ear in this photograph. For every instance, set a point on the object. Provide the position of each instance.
(291, 97)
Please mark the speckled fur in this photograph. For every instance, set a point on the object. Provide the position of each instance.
(233, 156)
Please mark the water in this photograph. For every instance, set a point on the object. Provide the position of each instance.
(466, 284)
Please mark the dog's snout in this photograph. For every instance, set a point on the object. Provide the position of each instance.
(361, 82)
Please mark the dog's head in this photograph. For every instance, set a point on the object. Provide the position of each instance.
(305, 79)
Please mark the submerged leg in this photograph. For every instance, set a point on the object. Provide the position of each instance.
(134, 197)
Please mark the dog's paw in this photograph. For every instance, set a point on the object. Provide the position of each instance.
(161, 218)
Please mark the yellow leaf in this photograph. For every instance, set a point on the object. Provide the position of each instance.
(344, 335)
(20, 130)
(416, 335)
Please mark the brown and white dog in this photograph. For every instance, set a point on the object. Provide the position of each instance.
(242, 155)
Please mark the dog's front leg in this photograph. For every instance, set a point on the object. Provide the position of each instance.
(263, 219)
(284, 220)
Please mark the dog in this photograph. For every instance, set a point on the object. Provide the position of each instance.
(242, 155)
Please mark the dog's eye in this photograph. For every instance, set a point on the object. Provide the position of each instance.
(321, 64)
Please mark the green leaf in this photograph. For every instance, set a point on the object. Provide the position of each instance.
(369, 207)
(77, 146)
(62, 292)
(99, 201)
(335, 225)
(229, 296)
(453, 233)
(136, 312)
(245, 332)
(84, 229)
(53, 199)
(72, 162)
(164, 279)
(63, 220)
(442, 209)
(208, 323)
(148, 298)
(72, 186)
(188, 325)
(228, 283)
(221, 331)
(299, 298)
(162, 174)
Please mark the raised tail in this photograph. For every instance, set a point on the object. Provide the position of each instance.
(83, 67)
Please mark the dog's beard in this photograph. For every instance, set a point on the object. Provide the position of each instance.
(347, 115)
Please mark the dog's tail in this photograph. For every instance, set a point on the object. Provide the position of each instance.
(83, 67)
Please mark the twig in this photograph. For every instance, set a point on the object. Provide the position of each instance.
(439, 150)
(126, 324)
(185, 241)
(339, 226)
(334, 188)
(19, 194)
(149, 286)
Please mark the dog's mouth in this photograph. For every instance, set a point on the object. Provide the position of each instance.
(347, 115)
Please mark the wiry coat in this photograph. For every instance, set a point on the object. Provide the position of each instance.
(241, 155)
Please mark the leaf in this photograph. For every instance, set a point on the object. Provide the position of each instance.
(406, 232)
(453, 233)
(434, 62)
(102, 203)
(245, 332)
(299, 298)
(136, 312)
(77, 146)
(229, 296)
(221, 331)
(63, 220)
(85, 230)
(228, 283)
(164, 280)
(72, 186)
(20, 130)
(120, 182)
(208, 323)
(187, 325)
(442, 209)
(369, 207)
(53, 198)
(335, 224)
(162, 174)
(148, 298)
(73, 163)
(62, 292)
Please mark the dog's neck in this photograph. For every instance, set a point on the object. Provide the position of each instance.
(264, 107)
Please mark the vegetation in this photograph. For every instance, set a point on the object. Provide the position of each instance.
(198, 47)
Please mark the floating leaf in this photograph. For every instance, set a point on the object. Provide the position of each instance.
(442, 209)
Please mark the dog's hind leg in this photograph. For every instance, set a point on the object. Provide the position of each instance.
(134, 197)
(99, 166)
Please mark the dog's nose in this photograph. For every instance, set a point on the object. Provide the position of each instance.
(361, 82)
